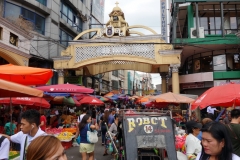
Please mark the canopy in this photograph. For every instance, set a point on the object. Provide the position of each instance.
(67, 88)
(25, 75)
(27, 101)
(91, 101)
(10, 89)
(171, 97)
(225, 96)
(69, 101)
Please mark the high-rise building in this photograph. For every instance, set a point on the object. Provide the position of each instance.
(51, 23)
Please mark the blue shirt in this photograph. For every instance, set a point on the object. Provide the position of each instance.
(83, 134)
(110, 119)
(199, 136)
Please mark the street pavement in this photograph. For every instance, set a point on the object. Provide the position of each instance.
(73, 152)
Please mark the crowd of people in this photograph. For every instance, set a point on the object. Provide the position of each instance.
(208, 140)
(213, 139)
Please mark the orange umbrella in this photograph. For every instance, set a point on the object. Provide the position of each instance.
(171, 98)
(144, 99)
(25, 75)
(10, 89)
(108, 94)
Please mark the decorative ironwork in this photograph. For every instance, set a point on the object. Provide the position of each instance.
(140, 50)
(116, 62)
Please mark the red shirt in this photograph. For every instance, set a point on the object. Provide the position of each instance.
(44, 120)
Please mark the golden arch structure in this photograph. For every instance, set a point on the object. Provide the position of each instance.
(113, 48)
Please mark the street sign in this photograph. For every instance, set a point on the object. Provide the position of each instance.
(145, 130)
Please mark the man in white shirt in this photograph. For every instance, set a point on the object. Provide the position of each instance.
(30, 130)
(4, 148)
(84, 110)
(211, 112)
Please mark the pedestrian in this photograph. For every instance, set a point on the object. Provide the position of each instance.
(216, 143)
(113, 130)
(204, 121)
(10, 127)
(103, 123)
(43, 121)
(192, 143)
(46, 148)
(211, 112)
(4, 148)
(30, 121)
(228, 118)
(111, 116)
(86, 148)
(234, 131)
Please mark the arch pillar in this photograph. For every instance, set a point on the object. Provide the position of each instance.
(60, 76)
(164, 82)
(175, 78)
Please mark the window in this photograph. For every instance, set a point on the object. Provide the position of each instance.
(114, 85)
(43, 2)
(115, 73)
(206, 64)
(64, 38)
(71, 17)
(219, 63)
(13, 39)
(13, 12)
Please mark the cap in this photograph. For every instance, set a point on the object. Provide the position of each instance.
(193, 124)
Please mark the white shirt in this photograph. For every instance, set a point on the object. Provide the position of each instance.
(20, 138)
(193, 145)
(234, 157)
(81, 117)
(4, 149)
(210, 109)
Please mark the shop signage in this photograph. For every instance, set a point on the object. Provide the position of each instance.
(153, 131)
(193, 85)
(164, 19)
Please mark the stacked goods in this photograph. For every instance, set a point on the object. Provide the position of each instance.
(54, 131)
(65, 136)
(72, 130)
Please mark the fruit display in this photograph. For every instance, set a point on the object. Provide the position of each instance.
(72, 130)
(13, 154)
(65, 136)
(53, 131)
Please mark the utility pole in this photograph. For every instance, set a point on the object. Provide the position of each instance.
(133, 82)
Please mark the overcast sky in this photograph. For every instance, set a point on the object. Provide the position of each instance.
(138, 12)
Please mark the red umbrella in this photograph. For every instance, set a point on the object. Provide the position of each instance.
(26, 101)
(65, 88)
(91, 101)
(227, 95)
(25, 75)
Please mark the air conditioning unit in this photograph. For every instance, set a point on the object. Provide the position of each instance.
(193, 32)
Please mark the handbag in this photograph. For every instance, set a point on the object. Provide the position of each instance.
(92, 135)
(78, 139)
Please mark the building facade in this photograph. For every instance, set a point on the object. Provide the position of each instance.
(207, 34)
(52, 24)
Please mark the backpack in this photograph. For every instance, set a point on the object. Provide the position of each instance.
(1, 140)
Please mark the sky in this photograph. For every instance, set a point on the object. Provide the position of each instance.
(138, 12)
